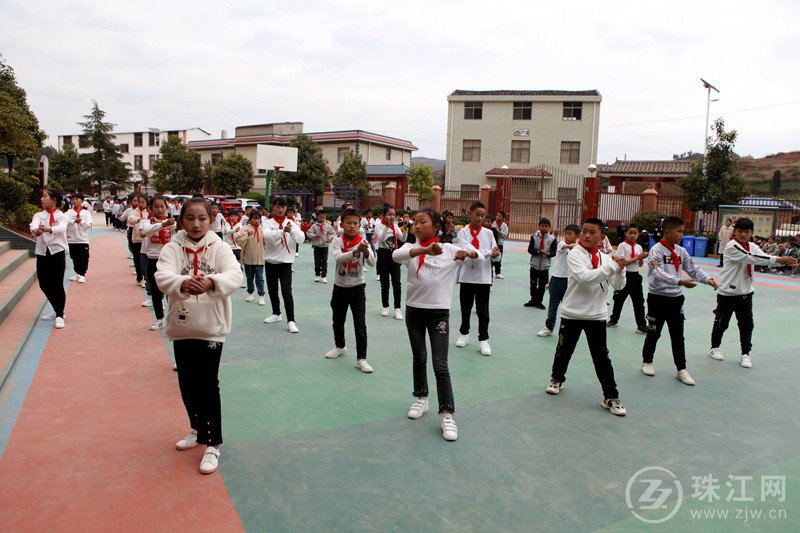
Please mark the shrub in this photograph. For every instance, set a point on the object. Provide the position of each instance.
(647, 220)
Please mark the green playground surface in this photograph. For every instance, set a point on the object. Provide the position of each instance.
(314, 443)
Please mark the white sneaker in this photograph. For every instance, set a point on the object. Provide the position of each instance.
(157, 325)
(398, 314)
(261, 301)
(362, 365)
(148, 303)
(60, 324)
(449, 428)
(485, 348)
(292, 327)
(419, 408)
(377, 278)
(49, 316)
(716, 353)
(143, 284)
(242, 286)
(317, 279)
(684, 377)
(554, 387)
(336, 352)
(500, 276)
(188, 442)
(250, 298)
(647, 369)
(81, 279)
(74, 278)
(385, 311)
(130, 257)
(175, 367)
(544, 333)
(296, 254)
(210, 461)
(746, 362)
(462, 341)
(614, 406)
(324, 280)
(271, 319)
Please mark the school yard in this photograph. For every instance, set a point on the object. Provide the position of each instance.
(90, 414)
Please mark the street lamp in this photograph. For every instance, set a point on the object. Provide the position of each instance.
(708, 87)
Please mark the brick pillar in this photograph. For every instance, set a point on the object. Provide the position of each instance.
(591, 197)
(390, 195)
(485, 190)
(649, 199)
(437, 199)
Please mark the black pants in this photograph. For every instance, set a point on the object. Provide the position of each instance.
(129, 236)
(79, 252)
(633, 287)
(321, 261)
(355, 299)
(155, 292)
(478, 293)
(497, 265)
(726, 307)
(198, 379)
(280, 272)
(388, 270)
(436, 322)
(108, 218)
(136, 252)
(50, 272)
(667, 309)
(539, 279)
(568, 335)
(144, 261)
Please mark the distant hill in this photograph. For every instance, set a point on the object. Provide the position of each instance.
(758, 172)
(435, 164)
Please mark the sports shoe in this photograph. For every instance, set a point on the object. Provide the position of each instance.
(554, 387)
(317, 279)
(81, 279)
(362, 365)
(49, 316)
(684, 377)
(539, 306)
(615, 406)
(546, 332)
(641, 330)
(449, 428)
(377, 278)
(746, 362)
(157, 325)
(385, 311)
(130, 257)
(716, 353)
(485, 348)
(261, 300)
(250, 298)
(296, 254)
(336, 352)
(462, 341)
(188, 442)
(398, 314)
(271, 319)
(500, 276)
(74, 278)
(324, 280)
(647, 369)
(210, 461)
(419, 408)
(60, 325)
(175, 367)
(143, 284)
(529, 303)
(611, 324)
(292, 327)
(148, 303)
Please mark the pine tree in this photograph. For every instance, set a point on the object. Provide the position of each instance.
(103, 166)
(775, 187)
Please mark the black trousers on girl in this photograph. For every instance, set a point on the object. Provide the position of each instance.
(661, 309)
(155, 292)
(479, 294)
(436, 323)
(50, 272)
(321, 261)
(198, 379)
(79, 252)
(388, 270)
(355, 299)
(136, 251)
(498, 265)
(568, 335)
(144, 261)
(742, 306)
(280, 273)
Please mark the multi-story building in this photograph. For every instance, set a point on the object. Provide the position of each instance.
(521, 130)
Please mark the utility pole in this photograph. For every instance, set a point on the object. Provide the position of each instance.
(708, 87)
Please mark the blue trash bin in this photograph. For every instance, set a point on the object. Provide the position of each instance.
(700, 245)
(688, 243)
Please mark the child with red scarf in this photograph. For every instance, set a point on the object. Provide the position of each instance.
(665, 298)
(49, 226)
(159, 231)
(78, 228)
(388, 235)
(321, 235)
(351, 253)
(631, 251)
(281, 234)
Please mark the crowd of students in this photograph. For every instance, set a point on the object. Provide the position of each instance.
(198, 256)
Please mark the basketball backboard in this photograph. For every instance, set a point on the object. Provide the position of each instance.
(269, 156)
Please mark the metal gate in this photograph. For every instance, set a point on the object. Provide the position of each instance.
(344, 195)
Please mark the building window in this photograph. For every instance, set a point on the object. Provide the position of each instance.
(340, 153)
(470, 192)
(520, 151)
(522, 110)
(472, 150)
(215, 157)
(151, 161)
(570, 152)
(473, 110)
(154, 139)
(67, 139)
(572, 110)
(137, 139)
(124, 148)
(388, 154)
(137, 162)
(83, 141)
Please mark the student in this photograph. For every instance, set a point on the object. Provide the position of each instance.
(475, 277)
(633, 253)
(387, 235)
(321, 234)
(217, 220)
(252, 248)
(499, 225)
(158, 230)
(407, 225)
(735, 293)
(137, 213)
(107, 206)
(448, 232)
(560, 277)
(351, 253)
(294, 216)
(432, 269)
(78, 227)
(583, 309)
(280, 234)
(723, 238)
(368, 225)
(541, 248)
(665, 296)
(50, 229)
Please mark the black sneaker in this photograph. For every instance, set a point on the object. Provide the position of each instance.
(612, 324)
(539, 306)
(530, 303)
(641, 330)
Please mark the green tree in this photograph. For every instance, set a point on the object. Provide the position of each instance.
(232, 175)
(353, 173)
(420, 181)
(65, 167)
(103, 166)
(144, 178)
(178, 169)
(20, 135)
(206, 170)
(775, 187)
(713, 180)
(312, 169)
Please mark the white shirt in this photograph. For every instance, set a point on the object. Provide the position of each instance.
(155, 238)
(54, 242)
(384, 237)
(560, 268)
(228, 231)
(107, 205)
(624, 251)
(347, 274)
(280, 245)
(216, 224)
(587, 288)
(474, 270)
(368, 225)
(734, 279)
(78, 232)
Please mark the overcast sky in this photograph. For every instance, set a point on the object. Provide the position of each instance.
(388, 67)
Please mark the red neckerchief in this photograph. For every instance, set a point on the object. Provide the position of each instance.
(394, 232)
(475, 242)
(347, 246)
(595, 255)
(78, 211)
(52, 216)
(676, 261)
(239, 219)
(141, 212)
(195, 252)
(369, 222)
(632, 244)
(423, 244)
(257, 231)
(746, 246)
(281, 221)
(541, 243)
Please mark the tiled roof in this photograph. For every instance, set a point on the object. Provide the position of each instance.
(646, 167)
(518, 173)
(460, 92)
(324, 136)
